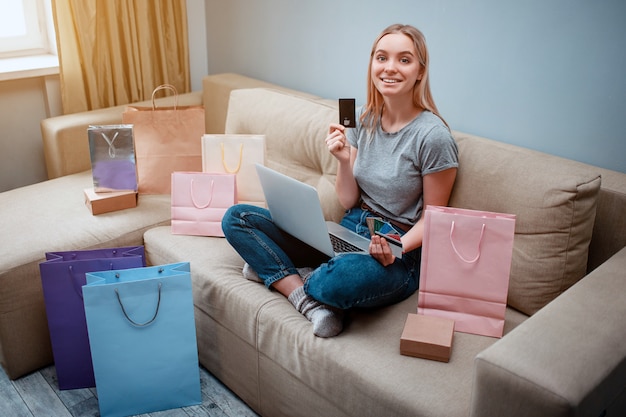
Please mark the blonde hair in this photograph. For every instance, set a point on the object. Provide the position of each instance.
(422, 96)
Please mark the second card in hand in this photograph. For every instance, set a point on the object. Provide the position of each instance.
(347, 113)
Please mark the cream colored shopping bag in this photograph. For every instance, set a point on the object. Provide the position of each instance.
(236, 154)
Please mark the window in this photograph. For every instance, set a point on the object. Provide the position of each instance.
(27, 39)
(23, 28)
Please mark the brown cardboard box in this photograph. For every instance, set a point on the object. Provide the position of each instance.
(427, 337)
(99, 203)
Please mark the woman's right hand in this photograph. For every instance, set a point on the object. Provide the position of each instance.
(337, 143)
(345, 185)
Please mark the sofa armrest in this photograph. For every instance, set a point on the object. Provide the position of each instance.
(65, 145)
(569, 359)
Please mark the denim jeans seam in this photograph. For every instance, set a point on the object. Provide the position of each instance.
(280, 275)
(397, 290)
(284, 269)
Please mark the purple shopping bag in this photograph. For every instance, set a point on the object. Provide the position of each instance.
(62, 278)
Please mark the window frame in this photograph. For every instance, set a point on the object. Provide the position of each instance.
(35, 41)
(38, 57)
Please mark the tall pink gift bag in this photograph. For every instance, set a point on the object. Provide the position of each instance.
(466, 264)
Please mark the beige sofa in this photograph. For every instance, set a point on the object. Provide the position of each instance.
(564, 348)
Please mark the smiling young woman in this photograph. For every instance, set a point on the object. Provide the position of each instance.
(411, 44)
(400, 157)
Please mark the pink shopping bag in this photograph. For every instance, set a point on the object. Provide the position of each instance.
(466, 263)
(199, 201)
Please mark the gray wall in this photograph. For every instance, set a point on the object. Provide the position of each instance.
(196, 26)
(544, 74)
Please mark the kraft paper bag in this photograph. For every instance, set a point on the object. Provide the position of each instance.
(62, 278)
(112, 153)
(465, 269)
(236, 154)
(167, 139)
(143, 339)
(199, 201)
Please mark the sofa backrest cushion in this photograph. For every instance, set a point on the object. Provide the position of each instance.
(609, 229)
(216, 89)
(554, 200)
(295, 127)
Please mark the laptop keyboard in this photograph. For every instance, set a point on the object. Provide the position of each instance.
(340, 245)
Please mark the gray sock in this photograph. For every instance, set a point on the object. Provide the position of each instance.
(327, 322)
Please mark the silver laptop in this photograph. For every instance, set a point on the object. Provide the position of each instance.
(295, 208)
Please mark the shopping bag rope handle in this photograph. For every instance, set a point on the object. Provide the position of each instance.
(112, 150)
(193, 199)
(469, 261)
(165, 87)
(236, 170)
(134, 323)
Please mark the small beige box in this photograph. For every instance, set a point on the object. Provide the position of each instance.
(99, 203)
(427, 337)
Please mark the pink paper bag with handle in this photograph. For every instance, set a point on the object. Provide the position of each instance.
(466, 263)
(199, 201)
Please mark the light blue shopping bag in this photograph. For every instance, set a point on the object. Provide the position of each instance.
(143, 339)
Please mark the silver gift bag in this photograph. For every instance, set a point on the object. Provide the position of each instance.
(113, 162)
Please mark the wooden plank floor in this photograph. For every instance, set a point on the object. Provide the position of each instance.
(37, 395)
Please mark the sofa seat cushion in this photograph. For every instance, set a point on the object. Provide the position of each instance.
(222, 297)
(51, 216)
(295, 128)
(226, 305)
(554, 200)
(360, 372)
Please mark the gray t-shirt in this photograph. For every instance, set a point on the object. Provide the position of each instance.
(389, 167)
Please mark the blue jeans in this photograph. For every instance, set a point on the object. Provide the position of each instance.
(344, 281)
